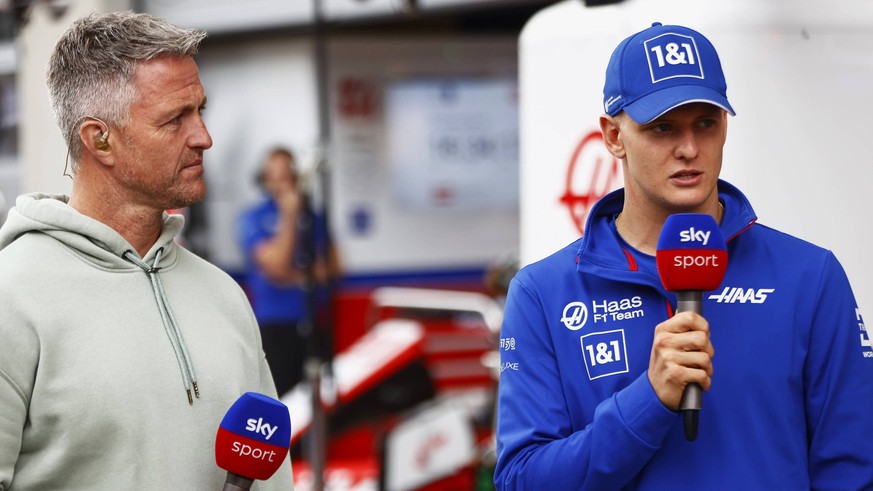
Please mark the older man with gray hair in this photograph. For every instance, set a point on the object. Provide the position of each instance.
(121, 351)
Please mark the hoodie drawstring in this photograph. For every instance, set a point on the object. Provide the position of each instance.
(189, 379)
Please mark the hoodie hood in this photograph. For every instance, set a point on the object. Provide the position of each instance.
(105, 249)
(51, 214)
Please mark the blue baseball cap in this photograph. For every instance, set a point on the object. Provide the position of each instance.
(661, 68)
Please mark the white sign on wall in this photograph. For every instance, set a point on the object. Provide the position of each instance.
(453, 143)
(402, 200)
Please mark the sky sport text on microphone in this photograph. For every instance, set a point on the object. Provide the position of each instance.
(254, 437)
(691, 253)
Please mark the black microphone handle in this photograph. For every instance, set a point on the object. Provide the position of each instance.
(692, 398)
(236, 482)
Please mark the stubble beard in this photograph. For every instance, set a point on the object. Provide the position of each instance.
(177, 191)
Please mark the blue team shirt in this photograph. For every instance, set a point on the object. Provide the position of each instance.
(791, 403)
(274, 303)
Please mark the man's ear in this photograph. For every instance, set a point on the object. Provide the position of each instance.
(611, 131)
(94, 135)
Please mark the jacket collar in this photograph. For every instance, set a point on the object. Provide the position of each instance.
(603, 253)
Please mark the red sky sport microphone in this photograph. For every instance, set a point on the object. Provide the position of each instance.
(692, 259)
(253, 440)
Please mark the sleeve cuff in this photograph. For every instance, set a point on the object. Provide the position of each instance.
(642, 411)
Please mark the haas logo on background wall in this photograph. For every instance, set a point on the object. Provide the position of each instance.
(592, 173)
(357, 97)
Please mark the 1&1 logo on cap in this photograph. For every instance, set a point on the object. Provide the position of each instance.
(672, 55)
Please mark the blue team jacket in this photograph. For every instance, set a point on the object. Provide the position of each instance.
(791, 403)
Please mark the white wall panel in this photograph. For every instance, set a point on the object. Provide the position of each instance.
(232, 15)
(378, 232)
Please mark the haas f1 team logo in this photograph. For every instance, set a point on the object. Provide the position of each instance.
(592, 173)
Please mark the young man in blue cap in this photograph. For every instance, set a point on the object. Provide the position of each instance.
(598, 361)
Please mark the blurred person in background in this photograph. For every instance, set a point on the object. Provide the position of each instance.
(121, 351)
(288, 256)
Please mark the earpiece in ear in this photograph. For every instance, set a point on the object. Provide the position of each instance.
(101, 143)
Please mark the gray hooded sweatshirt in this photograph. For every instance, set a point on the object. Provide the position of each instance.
(97, 355)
